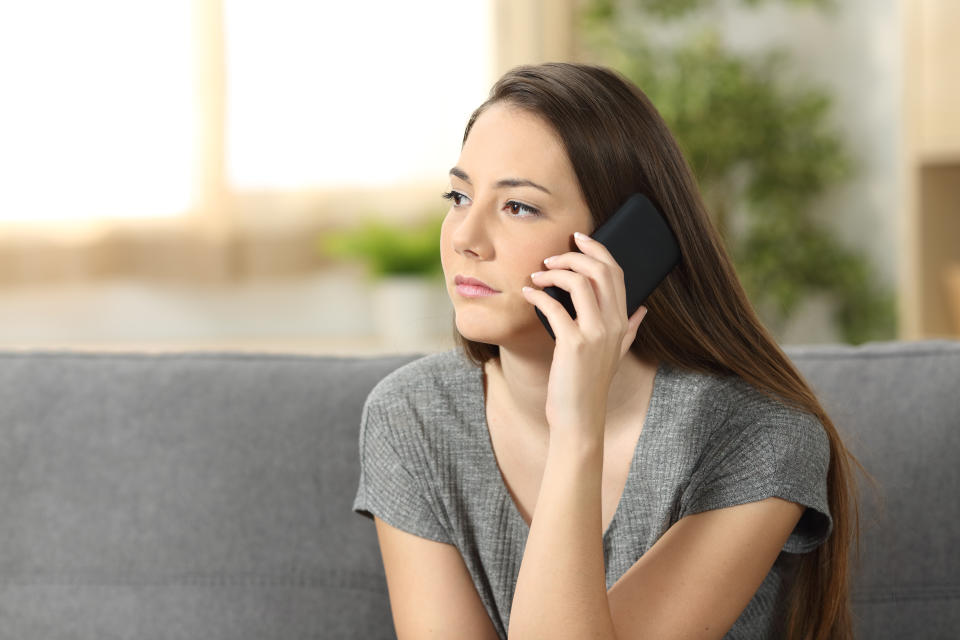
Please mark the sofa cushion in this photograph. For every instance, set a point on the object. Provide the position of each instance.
(897, 406)
(208, 495)
(196, 495)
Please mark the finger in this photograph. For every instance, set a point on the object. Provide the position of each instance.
(581, 290)
(607, 277)
(593, 248)
(633, 326)
(597, 250)
(560, 321)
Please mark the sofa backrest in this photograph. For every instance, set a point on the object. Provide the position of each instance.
(897, 406)
(194, 495)
(208, 495)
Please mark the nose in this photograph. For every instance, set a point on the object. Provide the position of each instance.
(470, 235)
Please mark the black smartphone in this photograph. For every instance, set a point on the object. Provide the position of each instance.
(639, 239)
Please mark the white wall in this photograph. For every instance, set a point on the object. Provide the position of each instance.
(857, 55)
(856, 52)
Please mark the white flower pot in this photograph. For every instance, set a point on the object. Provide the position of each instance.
(406, 310)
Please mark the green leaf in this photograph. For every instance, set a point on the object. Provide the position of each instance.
(763, 150)
(389, 249)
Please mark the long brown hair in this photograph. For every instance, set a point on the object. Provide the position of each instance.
(699, 318)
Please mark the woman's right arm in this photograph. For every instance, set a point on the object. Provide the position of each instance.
(431, 592)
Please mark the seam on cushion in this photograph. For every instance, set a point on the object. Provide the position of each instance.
(939, 348)
(874, 356)
(199, 355)
(882, 594)
(337, 578)
(942, 349)
(946, 349)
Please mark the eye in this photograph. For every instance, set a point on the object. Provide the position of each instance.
(516, 207)
(453, 196)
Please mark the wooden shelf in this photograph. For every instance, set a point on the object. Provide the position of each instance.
(930, 245)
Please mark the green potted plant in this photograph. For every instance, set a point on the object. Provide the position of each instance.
(404, 271)
(763, 152)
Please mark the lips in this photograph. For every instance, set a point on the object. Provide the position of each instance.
(472, 281)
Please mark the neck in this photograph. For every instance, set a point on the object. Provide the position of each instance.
(520, 380)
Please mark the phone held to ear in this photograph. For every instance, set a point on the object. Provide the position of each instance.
(638, 238)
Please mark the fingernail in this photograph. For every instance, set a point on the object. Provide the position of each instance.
(547, 260)
(535, 274)
(580, 236)
(527, 289)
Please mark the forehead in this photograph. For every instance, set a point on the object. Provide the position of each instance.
(509, 140)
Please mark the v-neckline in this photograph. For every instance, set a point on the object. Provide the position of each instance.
(497, 477)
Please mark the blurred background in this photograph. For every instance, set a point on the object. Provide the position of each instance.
(229, 174)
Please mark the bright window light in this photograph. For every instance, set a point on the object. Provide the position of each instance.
(97, 109)
(351, 93)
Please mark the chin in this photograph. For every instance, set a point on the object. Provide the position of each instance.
(479, 328)
(483, 325)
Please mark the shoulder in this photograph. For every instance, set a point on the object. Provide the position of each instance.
(785, 429)
(427, 379)
(421, 414)
(434, 372)
(750, 446)
(725, 408)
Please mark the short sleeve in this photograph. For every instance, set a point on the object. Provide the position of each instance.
(778, 452)
(390, 487)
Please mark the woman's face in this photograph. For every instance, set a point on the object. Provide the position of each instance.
(514, 201)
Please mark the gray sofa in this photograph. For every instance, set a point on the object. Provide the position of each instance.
(208, 495)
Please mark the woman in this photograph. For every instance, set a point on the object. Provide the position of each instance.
(665, 475)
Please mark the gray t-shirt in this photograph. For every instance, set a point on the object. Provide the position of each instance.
(428, 467)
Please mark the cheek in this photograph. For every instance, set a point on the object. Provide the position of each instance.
(445, 248)
(526, 257)
(540, 251)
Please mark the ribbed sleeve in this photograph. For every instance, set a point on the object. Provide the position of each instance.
(388, 488)
(766, 450)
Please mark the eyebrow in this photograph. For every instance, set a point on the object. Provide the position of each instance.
(505, 182)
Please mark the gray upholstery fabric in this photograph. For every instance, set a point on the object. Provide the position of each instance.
(208, 495)
(185, 496)
(897, 406)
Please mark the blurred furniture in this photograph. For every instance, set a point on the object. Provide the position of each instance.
(208, 495)
(929, 238)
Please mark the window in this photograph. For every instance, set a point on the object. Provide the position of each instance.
(350, 94)
(101, 115)
(220, 122)
(97, 114)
